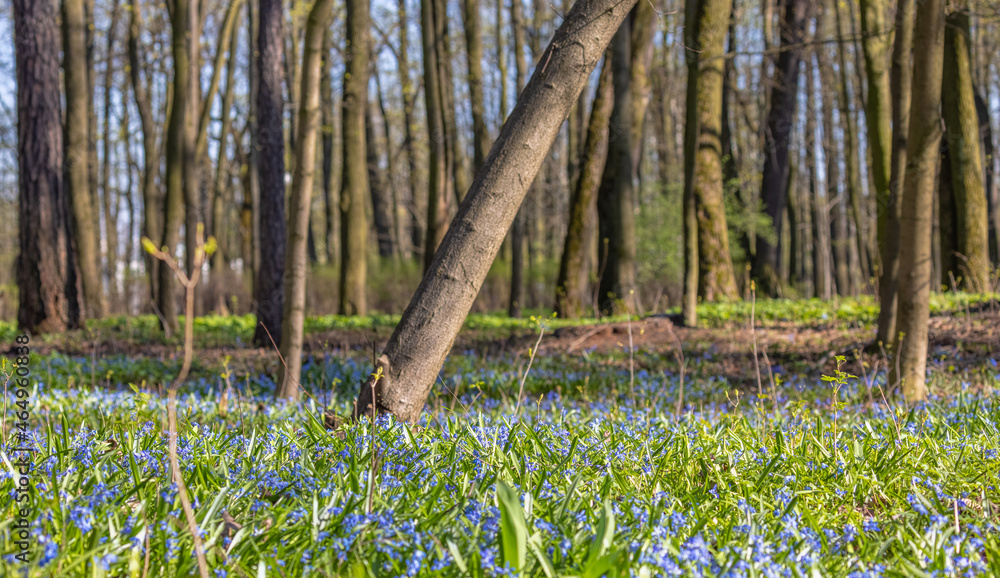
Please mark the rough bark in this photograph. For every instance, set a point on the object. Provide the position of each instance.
(962, 130)
(615, 197)
(47, 279)
(570, 287)
(780, 119)
(268, 290)
(354, 180)
(77, 156)
(918, 202)
(151, 200)
(707, 30)
(900, 75)
(412, 359)
(474, 56)
(296, 260)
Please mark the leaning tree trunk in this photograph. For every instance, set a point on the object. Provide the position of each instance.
(900, 75)
(175, 161)
(962, 130)
(47, 279)
(410, 362)
(780, 119)
(707, 29)
(354, 180)
(268, 290)
(918, 202)
(296, 263)
(78, 167)
(615, 197)
(570, 286)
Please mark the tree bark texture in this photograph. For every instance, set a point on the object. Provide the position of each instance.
(703, 145)
(296, 260)
(354, 180)
(918, 202)
(268, 290)
(77, 156)
(47, 280)
(900, 77)
(962, 132)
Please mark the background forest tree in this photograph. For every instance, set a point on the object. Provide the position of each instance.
(327, 150)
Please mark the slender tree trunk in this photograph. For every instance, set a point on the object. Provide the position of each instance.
(886, 109)
(570, 288)
(110, 213)
(822, 281)
(615, 197)
(643, 28)
(192, 168)
(175, 161)
(220, 192)
(268, 291)
(852, 161)
(354, 183)
(412, 359)
(918, 200)
(309, 117)
(47, 279)
(78, 179)
(517, 231)
(250, 212)
(962, 126)
(437, 169)
(395, 208)
(474, 55)
(417, 197)
(329, 196)
(151, 200)
(707, 29)
(381, 205)
(780, 119)
(949, 264)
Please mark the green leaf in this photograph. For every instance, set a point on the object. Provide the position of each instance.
(513, 530)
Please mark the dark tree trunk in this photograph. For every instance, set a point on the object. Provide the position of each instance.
(615, 201)
(268, 292)
(780, 120)
(47, 279)
(570, 287)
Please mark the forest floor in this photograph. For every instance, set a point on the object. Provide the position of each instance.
(801, 337)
